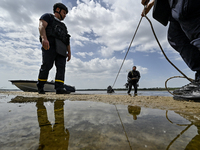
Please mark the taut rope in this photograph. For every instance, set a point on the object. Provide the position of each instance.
(127, 51)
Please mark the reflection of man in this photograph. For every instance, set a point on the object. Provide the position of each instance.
(133, 78)
(56, 137)
(134, 110)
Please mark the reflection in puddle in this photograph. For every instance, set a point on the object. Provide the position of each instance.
(36, 123)
(52, 137)
(134, 110)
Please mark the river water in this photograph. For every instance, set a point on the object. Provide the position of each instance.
(142, 93)
(37, 123)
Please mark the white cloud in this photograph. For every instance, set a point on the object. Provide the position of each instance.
(84, 54)
(98, 66)
(98, 73)
(114, 27)
(108, 25)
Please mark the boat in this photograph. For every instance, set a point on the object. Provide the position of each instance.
(31, 86)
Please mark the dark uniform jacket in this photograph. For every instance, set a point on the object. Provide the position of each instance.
(133, 74)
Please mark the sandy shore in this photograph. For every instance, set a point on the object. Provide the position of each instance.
(189, 110)
(156, 102)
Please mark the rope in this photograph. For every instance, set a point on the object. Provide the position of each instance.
(170, 79)
(173, 122)
(127, 51)
(164, 52)
(188, 126)
(184, 76)
(168, 147)
(123, 127)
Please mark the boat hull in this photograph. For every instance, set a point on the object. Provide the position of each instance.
(31, 86)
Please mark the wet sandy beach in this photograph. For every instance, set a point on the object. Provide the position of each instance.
(155, 102)
(97, 121)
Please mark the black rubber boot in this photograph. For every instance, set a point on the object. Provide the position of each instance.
(62, 91)
(40, 86)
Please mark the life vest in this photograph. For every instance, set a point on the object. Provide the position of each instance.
(133, 74)
(58, 30)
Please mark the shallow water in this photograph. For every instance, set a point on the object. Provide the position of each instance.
(140, 93)
(36, 123)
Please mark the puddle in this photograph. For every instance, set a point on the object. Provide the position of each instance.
(36, 123)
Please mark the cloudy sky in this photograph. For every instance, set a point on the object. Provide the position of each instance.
(101, 31)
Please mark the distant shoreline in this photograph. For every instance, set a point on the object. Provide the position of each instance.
(117, 89)
(124, 89)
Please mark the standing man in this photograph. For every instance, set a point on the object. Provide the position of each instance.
(183, 35)
(55, 42)
(133, 78)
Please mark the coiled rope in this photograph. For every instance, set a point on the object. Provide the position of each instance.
(184, 76)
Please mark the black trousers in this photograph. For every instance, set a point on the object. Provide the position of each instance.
(184, 32)
(49, 57)
(134, 84)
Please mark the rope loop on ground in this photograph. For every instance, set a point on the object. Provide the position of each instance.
(170, 79)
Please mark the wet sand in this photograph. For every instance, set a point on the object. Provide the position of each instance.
(188, 110)
(77, 124)
(155, 102)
